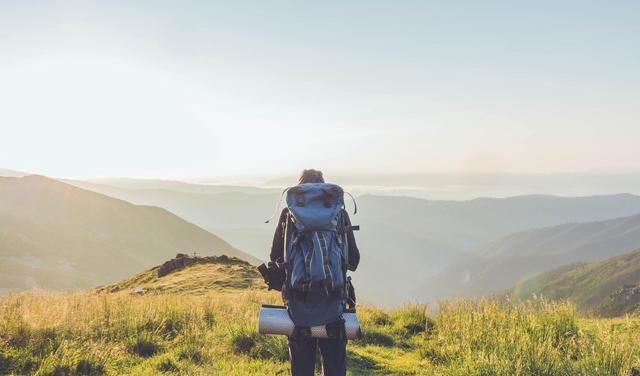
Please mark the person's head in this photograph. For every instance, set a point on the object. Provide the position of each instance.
(311, 176)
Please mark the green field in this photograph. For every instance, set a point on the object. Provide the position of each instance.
(96, 333)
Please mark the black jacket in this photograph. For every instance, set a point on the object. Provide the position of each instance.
(277, 248)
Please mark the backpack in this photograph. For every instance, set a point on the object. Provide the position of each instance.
(316, 288)
(316, 248)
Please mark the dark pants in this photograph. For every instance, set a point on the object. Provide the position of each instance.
(333, 351)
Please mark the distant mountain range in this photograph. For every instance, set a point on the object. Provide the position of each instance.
(173, 185)
(55, 235)
(411, 248)
(606, 288)
(521, 255)
(404, 241)
(469, 226)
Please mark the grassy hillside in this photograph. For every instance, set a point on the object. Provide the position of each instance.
(525, 254)
(203, 275)
(54, 235)
(593, 286)
(589, 239)
(185, 323)
(215, 334)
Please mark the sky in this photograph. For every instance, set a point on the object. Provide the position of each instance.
(195, 89)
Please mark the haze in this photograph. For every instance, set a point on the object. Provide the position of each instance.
(227, 89)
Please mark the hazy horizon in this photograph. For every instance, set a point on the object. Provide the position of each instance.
(442, 186)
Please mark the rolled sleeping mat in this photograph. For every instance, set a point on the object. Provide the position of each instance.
(276, 320)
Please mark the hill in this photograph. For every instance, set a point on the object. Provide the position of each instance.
(55, 235)
(172, 185)
(605, 287)
(192, 275)
(466, 226)
(589, 240)
(525, 254)
(471, 225)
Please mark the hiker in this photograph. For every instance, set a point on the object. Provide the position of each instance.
(312, 305)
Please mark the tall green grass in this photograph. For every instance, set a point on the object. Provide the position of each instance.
(111, 334)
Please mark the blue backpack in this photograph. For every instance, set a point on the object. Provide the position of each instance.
(316, 253)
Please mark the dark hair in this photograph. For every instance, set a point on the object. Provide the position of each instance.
(311, 176)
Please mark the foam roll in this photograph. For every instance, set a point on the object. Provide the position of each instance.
(276, 320)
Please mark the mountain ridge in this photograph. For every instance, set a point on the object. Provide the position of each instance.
(523, 255)
(595, 287)
(55, 235)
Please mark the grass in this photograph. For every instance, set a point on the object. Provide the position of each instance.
(215, 274)
(589, 285)
(112, 334)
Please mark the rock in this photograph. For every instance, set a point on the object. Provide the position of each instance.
(182, 259)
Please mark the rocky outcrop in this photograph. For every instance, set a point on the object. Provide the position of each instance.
(182, 260)
(624, 301)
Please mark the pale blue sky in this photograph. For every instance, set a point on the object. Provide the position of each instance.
(202, 89)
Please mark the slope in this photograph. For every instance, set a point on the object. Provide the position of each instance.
(192, 275)
(471, 225)
(594, 287)
(54, 235)
(523, 255)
